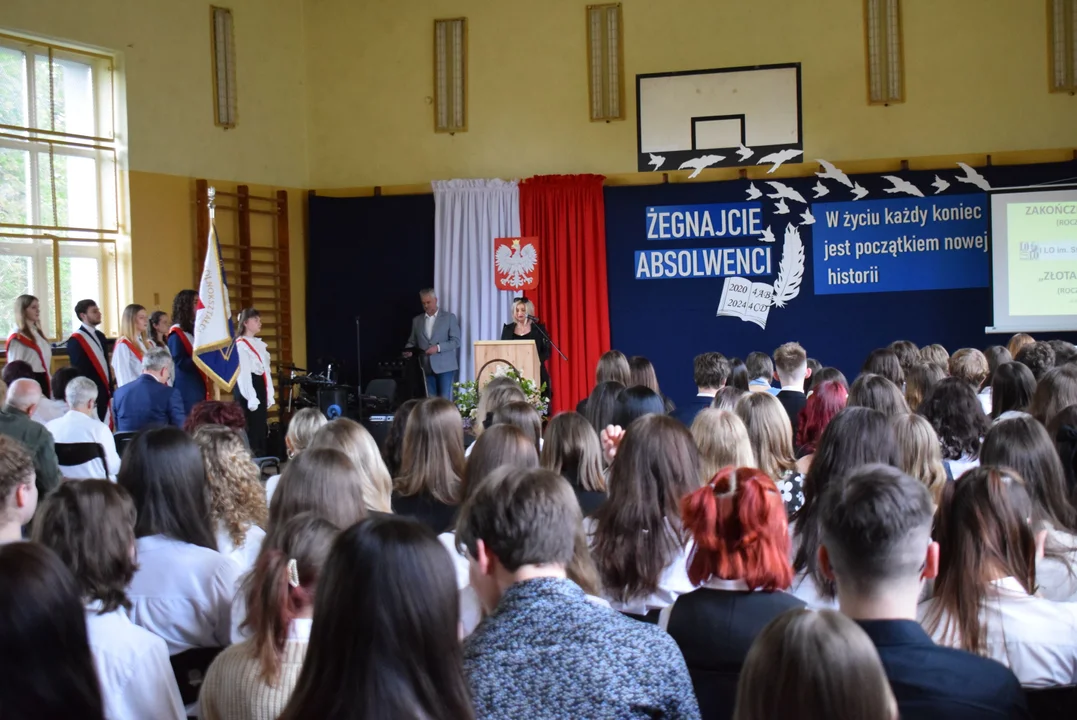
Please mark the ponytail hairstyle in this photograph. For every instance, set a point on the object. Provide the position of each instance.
(275, 596)
(739, 524)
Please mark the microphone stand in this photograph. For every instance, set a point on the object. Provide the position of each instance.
(538, 324)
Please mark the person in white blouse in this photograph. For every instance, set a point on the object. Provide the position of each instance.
(131, 345)
(183, 588)
(984, 597)
(254, 388)
(80, 425)
(27, 342)
(91, 526)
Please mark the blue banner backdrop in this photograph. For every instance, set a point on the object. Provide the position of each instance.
(922, 274)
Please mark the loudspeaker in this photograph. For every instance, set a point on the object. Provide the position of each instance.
(378, 426)
(333, 402)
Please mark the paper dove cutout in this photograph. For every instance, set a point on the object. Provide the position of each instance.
(820, 190)
(808, 218)
(778, 158)
(901, 186)
(832, 173)
(781, 190)
(768, 235)
(697, 164)
(657, 161)
(781, 208)
(858, 191)
(940, 185)
(743, 153)
(972, 177)
(753, 192)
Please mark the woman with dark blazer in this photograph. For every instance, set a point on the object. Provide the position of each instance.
(523, 328)
(188, 379)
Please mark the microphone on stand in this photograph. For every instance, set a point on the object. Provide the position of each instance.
(532, 318)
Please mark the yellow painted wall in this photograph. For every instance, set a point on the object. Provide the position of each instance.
(976, 82)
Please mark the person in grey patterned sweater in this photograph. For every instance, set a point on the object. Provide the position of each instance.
(547, 651)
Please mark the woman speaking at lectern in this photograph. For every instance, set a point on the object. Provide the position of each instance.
(524, 327)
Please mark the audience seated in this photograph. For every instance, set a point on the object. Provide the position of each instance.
(772, 444)
(601, 405)
(237, 506)
(183, 588)
(722, 440)
(996, 357)
(727, 399)
(936, 355)
(827, 374)
(984, 599)
(855, 437)
(1038, 356)
(53, 408)
(791, 367)
(710, 371)
(812, 665)
(827, 400)
(521, 414)
(16, 370)
(738, 374)
(1012, 388)
(48, 665)
(641, 372)
(517, 529)
(91, 527)
(301, 431)
(572, 449)
(358, 444)
(253, 679)
(383, 642)
(1065, 352)
(760, 373)
(921, 379)
(920, 454)
(393, 448)
(878, 393)
(635, 402)
(217, 412)
(1057, 389)
(908, 355)
(46, 409)
(498, 392)
(955, 412)
(1018, 342)
(884, 362)
(18, 491)
(637, 541)
(876, 546)
(322, 481)
(428, 487)
(502, 444)
(1063, 430)
(1021, 444)
(23, 395)
(81, 425)
(149, 401)
(741, 565)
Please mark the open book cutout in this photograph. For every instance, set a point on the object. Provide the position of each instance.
(750, 301)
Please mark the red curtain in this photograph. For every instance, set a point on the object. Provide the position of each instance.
(567, 215)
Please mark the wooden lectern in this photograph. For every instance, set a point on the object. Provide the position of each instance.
(521, 354)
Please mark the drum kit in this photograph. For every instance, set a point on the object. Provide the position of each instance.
(322, 390)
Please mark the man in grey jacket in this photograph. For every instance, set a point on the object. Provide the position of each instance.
(437, 334)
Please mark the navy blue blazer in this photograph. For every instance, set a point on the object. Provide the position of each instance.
(687, 412)
(82, 362)
(145, 403)
(188, 378)
(931, 682)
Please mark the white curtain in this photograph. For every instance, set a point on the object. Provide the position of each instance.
(468, 215)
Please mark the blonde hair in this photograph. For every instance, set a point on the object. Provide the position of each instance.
(433, 452)
(770, 432)
(571, 448)
(920, 452)
(1019, 341)
(22, 303)
(499, 391)
(302, 428)
(353, 440)
(237, 498)
(970, 365)
(128, 326)
(722, 439)
(526, 303)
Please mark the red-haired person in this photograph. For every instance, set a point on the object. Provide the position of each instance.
(741, 562)
(826, 401)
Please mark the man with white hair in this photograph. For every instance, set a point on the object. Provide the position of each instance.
(23, 396)
(436, 334)
(81, 425)
(149, 401)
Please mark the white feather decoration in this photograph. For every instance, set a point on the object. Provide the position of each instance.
(791, 268)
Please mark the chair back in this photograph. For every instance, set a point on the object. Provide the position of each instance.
(123, 439)
(72, 454)
(190, 668)
(269, 466)
(1053, 702)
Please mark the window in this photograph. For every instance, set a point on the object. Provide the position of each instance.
(450, 75)
(1062, 36)
(605, 62)
(59, 186)
(886, 62)
(224, 68)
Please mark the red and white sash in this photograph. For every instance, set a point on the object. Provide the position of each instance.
(91, 353)
(265, 369)
(133, 347)
(177, 330)
(32, 344)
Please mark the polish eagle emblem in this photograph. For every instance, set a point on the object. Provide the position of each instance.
(515, 263)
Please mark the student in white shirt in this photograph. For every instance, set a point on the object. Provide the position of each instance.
(27, 342)
(91, 526)
(183, 588)
(984, 599)
(132, 344)
(80, 425)
(18, 489)
(254, 388)
(1021, 444)
(237, 500)
(48, 668)
(637, 541)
